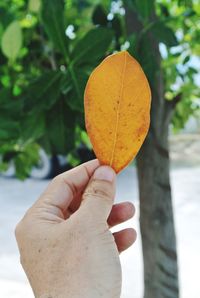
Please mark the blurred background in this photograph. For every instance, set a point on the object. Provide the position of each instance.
(48, 49)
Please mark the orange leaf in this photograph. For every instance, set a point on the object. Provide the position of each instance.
(117, 109)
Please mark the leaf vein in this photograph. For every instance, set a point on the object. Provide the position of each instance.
(118, 111)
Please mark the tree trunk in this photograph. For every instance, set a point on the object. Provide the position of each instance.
(156, 217)
(156, 212)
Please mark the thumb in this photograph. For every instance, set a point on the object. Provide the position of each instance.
(98, 197)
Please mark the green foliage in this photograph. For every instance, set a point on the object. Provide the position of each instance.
(144, 8)
(180, 65)
(41, 89)
(9, 111)
(43, 92)
(165, 34)
(28, 157)
(87, 52)
(53, 20)
(61, 125)
(34, 5)
(44, 69)
(99, 16)
(11, 41)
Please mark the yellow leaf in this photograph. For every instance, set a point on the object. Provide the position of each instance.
(117, 109)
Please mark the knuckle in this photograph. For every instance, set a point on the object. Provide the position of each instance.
(57, 179)
(101, 189)
(21, 228)
(18, 230)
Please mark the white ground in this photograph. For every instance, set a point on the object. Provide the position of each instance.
(16, 197)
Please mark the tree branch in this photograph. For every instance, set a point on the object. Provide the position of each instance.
(170, 106)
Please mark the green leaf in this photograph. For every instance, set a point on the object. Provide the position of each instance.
(8, 105)
(164, 34)
(9, 129)
(144, 7)
(185, 3)
(186, 59)
(32, 127)
(12, 41)
(34, 5)
(73, 159)
(43, 92)
(10, 112)
(61, 129)
(65, 84)
(141, 50)
(74, 100)
(117, 26)
(53, 19)
(164, 10)
(25, 159)
(191, 72)
(7, 15)
(1, 31)
(92, 46)
(189, 13)
(99, 16)
(73, 85)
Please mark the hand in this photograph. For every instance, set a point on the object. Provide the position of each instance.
(66, 247)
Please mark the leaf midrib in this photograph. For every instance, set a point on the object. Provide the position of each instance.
(118, 112)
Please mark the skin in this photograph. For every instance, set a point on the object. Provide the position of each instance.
(65, 243)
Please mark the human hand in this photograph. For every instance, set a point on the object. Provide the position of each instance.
(66, 247)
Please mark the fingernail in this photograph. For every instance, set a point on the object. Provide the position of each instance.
(104, 173)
